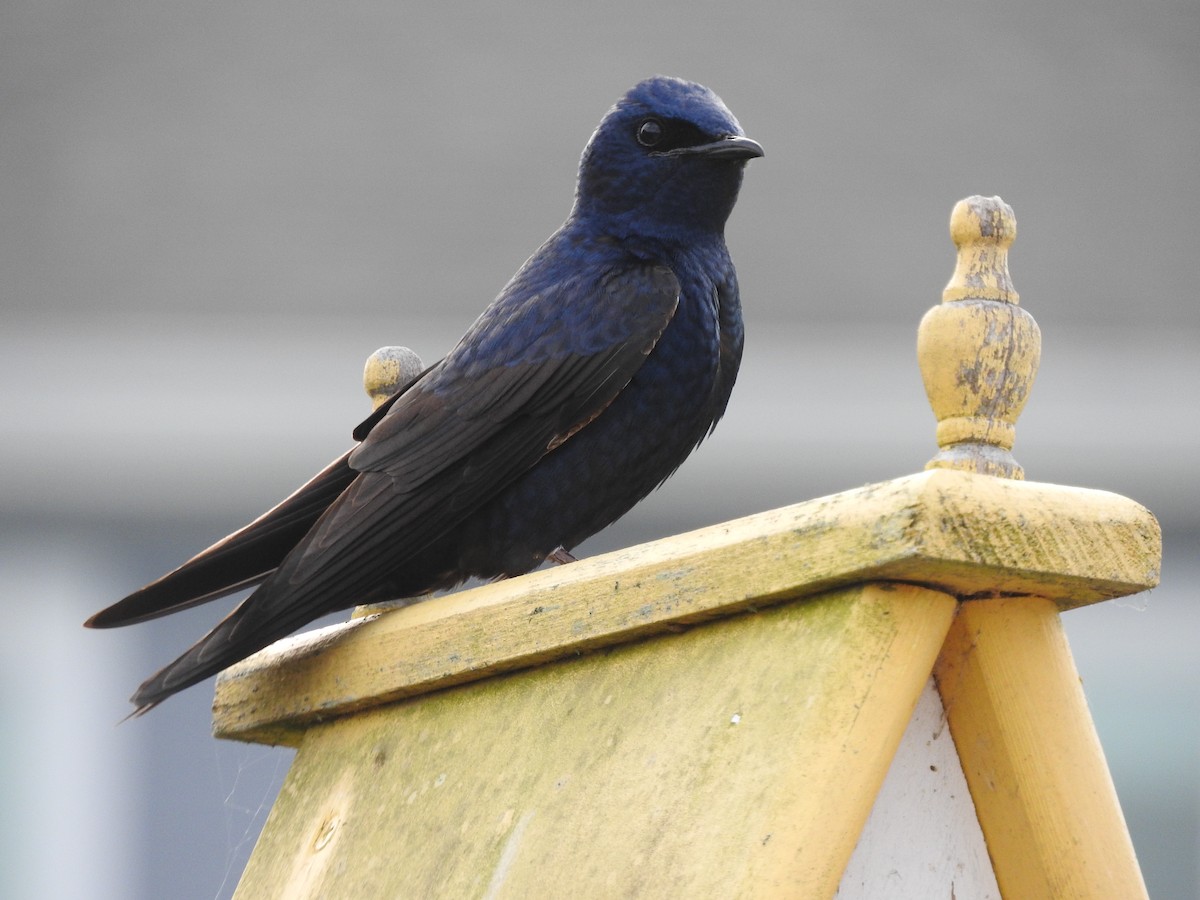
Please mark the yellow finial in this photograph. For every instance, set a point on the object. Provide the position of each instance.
(978, 349)
(387, 370)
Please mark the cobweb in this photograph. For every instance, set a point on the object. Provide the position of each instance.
(251, 787)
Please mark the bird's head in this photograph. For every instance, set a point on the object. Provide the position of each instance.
(666, 161)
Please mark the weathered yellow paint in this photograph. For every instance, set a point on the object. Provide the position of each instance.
(982, 228)
(965, 534)
(387, 370)
(756, 744)
(978, 350)
(1032, 759)
(713, 714)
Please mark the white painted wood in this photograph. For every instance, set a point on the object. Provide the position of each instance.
(922, 839)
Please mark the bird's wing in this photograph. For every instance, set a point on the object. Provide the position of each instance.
(550, 361)
(473, 426)
(451, 443)
(364, 427)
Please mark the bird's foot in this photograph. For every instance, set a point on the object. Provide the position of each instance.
(561, 556)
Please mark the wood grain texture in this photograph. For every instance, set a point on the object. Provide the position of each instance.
(737, 759)
(1031, 756)
(966, 534)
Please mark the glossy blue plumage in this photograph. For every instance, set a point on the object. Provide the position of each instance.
(600, 366)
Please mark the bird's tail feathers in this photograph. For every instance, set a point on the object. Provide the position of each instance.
(230, 641)
(243, 559)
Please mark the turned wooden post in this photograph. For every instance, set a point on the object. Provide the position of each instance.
(978, 350)
(1032, 759)
(714, 714)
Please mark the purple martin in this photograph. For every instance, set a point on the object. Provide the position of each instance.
(600, 366)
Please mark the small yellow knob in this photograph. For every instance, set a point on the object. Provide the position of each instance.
(387, 370)
(978, 350)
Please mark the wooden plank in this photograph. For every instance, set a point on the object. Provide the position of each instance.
(1032, 759)
(966, 534)
(738, 759)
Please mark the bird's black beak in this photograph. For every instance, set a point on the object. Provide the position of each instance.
(732, 146)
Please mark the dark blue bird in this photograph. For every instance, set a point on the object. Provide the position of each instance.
(604, 361)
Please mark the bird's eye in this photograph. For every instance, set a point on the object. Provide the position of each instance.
(650, 132)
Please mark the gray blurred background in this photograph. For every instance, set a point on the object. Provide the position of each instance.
(212, 213)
